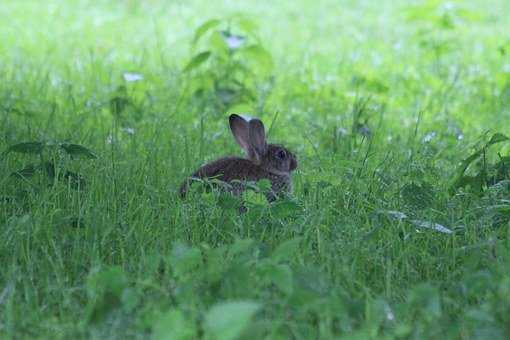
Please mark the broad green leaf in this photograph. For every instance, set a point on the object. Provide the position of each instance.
(281, 276)
(77, 150)
(130, 299)
(204, 28)
(241, 107)
(285, 208)
(481, 323)
(264, 185)
(28, 147)
(216, 265)
(240, 246)
(286, 250)
(26, 172)
(425, 299)
(226, 320)
(228, 201)
(477, 284)
(173, 325)
(110, 279)
(310, 284)
(104, 290)
(475, 182)
(258, 57)
(197, 60)
(254, 197)
(218, 44)
(378, 312)
(497, 138)
(184, 259)
(465, 163)
(247, 25)
(460, 180)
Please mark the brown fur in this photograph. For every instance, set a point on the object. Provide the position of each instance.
(228, 169)
(265, 161)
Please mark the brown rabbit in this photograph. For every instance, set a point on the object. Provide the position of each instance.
(264, 161)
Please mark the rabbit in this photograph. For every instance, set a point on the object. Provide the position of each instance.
(263, 161)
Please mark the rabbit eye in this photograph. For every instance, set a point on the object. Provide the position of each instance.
(281, 154)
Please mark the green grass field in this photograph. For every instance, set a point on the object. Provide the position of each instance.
(384, 102)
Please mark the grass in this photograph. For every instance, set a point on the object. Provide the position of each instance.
(379, 100)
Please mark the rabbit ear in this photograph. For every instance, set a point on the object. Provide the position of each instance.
(258, 138)
(240, 130)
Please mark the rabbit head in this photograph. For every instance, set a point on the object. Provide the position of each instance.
(251, 136)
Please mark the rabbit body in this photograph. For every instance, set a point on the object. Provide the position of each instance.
(264, 161)
(236, 171)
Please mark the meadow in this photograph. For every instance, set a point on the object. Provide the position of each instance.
(399, 223)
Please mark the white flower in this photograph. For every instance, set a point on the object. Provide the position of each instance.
(129, 130)
(233, 41)
(429, 136)
(131, 77)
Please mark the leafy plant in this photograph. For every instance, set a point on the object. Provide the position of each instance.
(487, 174)
(441, 15)
(126, 103)
(229, 62)
(173, 325)
(105, 287)
(52, 160)
(228, 319)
